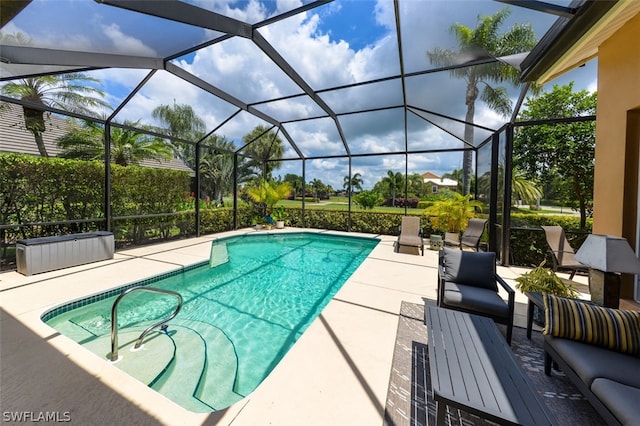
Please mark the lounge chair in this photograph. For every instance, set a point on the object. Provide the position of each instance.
(470, 236)
(561, 251)
(468, 282)
(410, 234)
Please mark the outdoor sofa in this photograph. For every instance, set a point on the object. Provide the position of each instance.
(598, 349)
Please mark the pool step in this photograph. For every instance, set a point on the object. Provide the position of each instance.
(216, 387)
(194, 364)
(73, 331)
(146, 363)
(180, 380)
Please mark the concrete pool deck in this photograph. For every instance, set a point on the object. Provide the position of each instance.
(336, 374)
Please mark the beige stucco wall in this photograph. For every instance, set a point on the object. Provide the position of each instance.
(618, 94)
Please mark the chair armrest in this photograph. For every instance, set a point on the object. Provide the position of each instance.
(504, 285)
(511, 292)
(563, 251)
(440, 294)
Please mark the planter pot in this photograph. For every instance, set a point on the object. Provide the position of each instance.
(279, 224)
(538, 316)
(259, 227)
(435, 242)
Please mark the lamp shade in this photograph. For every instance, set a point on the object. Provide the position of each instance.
(608, 254)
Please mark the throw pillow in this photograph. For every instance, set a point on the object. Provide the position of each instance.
(614, 329)
(477, 269)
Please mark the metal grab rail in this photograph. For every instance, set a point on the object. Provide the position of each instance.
(114, 317)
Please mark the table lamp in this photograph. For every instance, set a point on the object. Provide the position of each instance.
(607, 256)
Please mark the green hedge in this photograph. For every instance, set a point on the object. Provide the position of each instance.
(527, 241)
(361, 221)
(35, 189)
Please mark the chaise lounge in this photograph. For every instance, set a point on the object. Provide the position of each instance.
(470, 237)
(562, 253)
(410, 234)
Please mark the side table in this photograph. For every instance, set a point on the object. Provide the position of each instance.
(535, 299)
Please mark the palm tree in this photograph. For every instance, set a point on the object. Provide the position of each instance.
(456, 175)
(296, 183)
(484, 39)
(317, 187)
(128, 146)
(523, 188)
(353, 182)
(265, 149)
(416, 184)
(69, 92)
(216, 167)
(394, 181)
(181, 121)
(268, 193)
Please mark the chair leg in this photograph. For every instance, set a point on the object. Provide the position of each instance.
(573, 272)
(547, 364)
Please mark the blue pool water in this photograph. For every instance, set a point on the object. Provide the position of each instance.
(242, 312)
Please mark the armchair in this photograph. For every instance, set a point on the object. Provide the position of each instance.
(467, 282)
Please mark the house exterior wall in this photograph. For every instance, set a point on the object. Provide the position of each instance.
(618, 139)
(616, 145)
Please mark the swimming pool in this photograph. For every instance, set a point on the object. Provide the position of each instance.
(242, 312)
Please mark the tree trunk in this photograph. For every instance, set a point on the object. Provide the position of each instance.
(467, 158)
(581, 202)
(34, 122)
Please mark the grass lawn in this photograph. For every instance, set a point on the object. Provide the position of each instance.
(563, 211)
(341, 203)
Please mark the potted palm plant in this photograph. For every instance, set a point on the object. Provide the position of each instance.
(266, 194)
(451, 214)
(543, 280)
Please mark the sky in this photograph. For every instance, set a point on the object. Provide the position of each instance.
(336, 44)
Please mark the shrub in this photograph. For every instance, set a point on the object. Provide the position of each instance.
(527, 242)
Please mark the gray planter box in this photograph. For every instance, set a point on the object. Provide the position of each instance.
(36, 255)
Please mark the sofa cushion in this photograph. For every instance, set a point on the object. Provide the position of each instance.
(622, 400)
(478, 299)
(590, 362)
(476, 269)
(614, 329)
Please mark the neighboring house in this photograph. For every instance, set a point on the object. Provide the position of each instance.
(14, 137)
(438, 183)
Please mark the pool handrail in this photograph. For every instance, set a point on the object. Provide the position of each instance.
(114, 317)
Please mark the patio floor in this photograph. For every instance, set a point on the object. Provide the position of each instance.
(336, 374)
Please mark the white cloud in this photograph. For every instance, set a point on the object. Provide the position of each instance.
(125, 44)
(239, 67)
